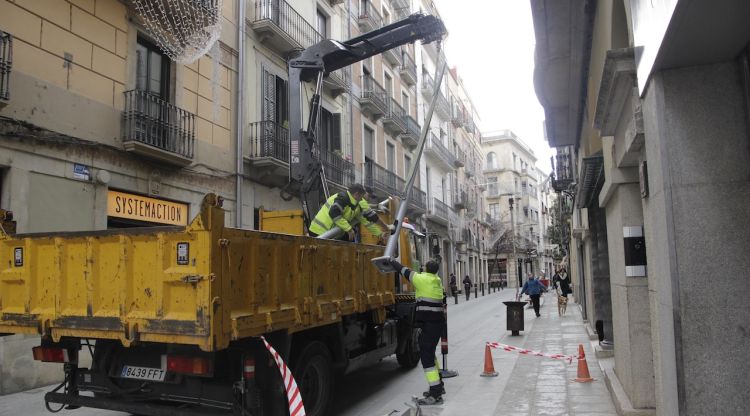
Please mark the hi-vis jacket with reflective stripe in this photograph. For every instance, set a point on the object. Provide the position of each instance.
(429, 293)
(340, 209)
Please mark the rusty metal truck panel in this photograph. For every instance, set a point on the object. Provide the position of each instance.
(203, 284)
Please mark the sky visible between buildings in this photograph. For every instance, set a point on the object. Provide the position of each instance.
(492, 44)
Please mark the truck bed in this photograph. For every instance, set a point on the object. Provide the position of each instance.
(204, 284)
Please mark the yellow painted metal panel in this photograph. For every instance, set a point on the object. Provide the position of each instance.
(136, 285)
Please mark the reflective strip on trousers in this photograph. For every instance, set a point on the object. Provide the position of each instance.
(430, 308)
(432, 375)
(430, 300)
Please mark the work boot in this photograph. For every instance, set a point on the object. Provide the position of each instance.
(430, 401)
(440, 393)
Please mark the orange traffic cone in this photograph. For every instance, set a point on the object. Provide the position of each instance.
(583, 367)
(489, 367)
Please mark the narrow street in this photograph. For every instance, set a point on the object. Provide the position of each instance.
(526, 385)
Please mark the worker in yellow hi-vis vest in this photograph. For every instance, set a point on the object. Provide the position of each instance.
(430, 316)
(342, 208)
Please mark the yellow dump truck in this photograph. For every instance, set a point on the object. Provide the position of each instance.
(172, 315)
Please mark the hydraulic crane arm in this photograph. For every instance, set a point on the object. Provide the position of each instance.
(321, 59)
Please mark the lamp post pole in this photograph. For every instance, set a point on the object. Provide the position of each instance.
(513, 240)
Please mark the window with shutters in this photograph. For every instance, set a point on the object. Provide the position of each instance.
(369, 143)
(390, 157)
(329, 133)
(275, 107)
(152, 73)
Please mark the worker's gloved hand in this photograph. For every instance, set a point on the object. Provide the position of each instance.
(395, 264)
(391, 228)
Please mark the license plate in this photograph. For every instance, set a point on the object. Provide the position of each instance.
(143, 373)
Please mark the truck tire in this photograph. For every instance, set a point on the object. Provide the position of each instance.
(313, 372)
(410, 357)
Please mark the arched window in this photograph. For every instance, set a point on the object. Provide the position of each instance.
(491, 160)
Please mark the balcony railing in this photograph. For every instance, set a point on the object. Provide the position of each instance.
(393, 56)
(373, 100)
(382, 179)
(394, 121)
(6, 61)
(442, 107)
(439, 209)
(428, 85)
(418, 200)
(269, 140)
(158, 129)
(282, 27)
(369, 18)
(410, 136)
(408, 68)
(437, 150)
(401, 7)
(469, 125)
(460, 160)
(337, 169)
(471, 167)
(338, 81)
(459, 115)
(460, 199)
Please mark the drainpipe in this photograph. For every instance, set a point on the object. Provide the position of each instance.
(240, 112)
(351, 98)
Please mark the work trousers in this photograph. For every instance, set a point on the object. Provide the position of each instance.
(535, 302)
(428, 341)
(467, 291)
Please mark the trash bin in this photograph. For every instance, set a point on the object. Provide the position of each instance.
(515, 316)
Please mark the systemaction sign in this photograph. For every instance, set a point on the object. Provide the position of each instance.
(143, 208)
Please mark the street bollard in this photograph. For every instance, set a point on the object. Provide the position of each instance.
(482, 288)
(475, 291)
(455, 296)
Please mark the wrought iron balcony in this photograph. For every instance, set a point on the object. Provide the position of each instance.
(443, 108)
(471, 167)
(269, 152)
(401, 7)
(393, 56)
(439, 152)
(469, 125)
(458, 117)
(157, 129)
(439, 211)
(460, 158)
(338, 170)
(339, 81)
(369, 18)
(335, 2)
(374, 98)
(382, 180)
(418, 201)
(460, 199)
(6, 61)
(410, 136)
(408, 68)
(280, 27)
(394, 121)
(428, 85)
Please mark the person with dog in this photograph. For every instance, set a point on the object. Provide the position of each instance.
(534, 288)
(467, 286)
(561, 278)
(430, 316)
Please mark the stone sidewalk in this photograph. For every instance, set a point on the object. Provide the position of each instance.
(528, 385)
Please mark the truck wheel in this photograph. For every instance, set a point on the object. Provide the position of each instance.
(410, 357)
(313, 372)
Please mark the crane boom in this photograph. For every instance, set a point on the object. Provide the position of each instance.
(321, 59)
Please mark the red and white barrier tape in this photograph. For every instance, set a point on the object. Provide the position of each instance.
(568, 358)
(296, 408)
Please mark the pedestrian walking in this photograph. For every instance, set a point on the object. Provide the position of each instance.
(430, 316)
(467, 286)
(534, 289)
(562, 279)
(453, 285)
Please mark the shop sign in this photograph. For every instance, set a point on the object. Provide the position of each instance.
(143, 208)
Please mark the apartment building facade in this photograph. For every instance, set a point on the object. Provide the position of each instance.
(512, 203)
(651, 126)
(101, 129)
